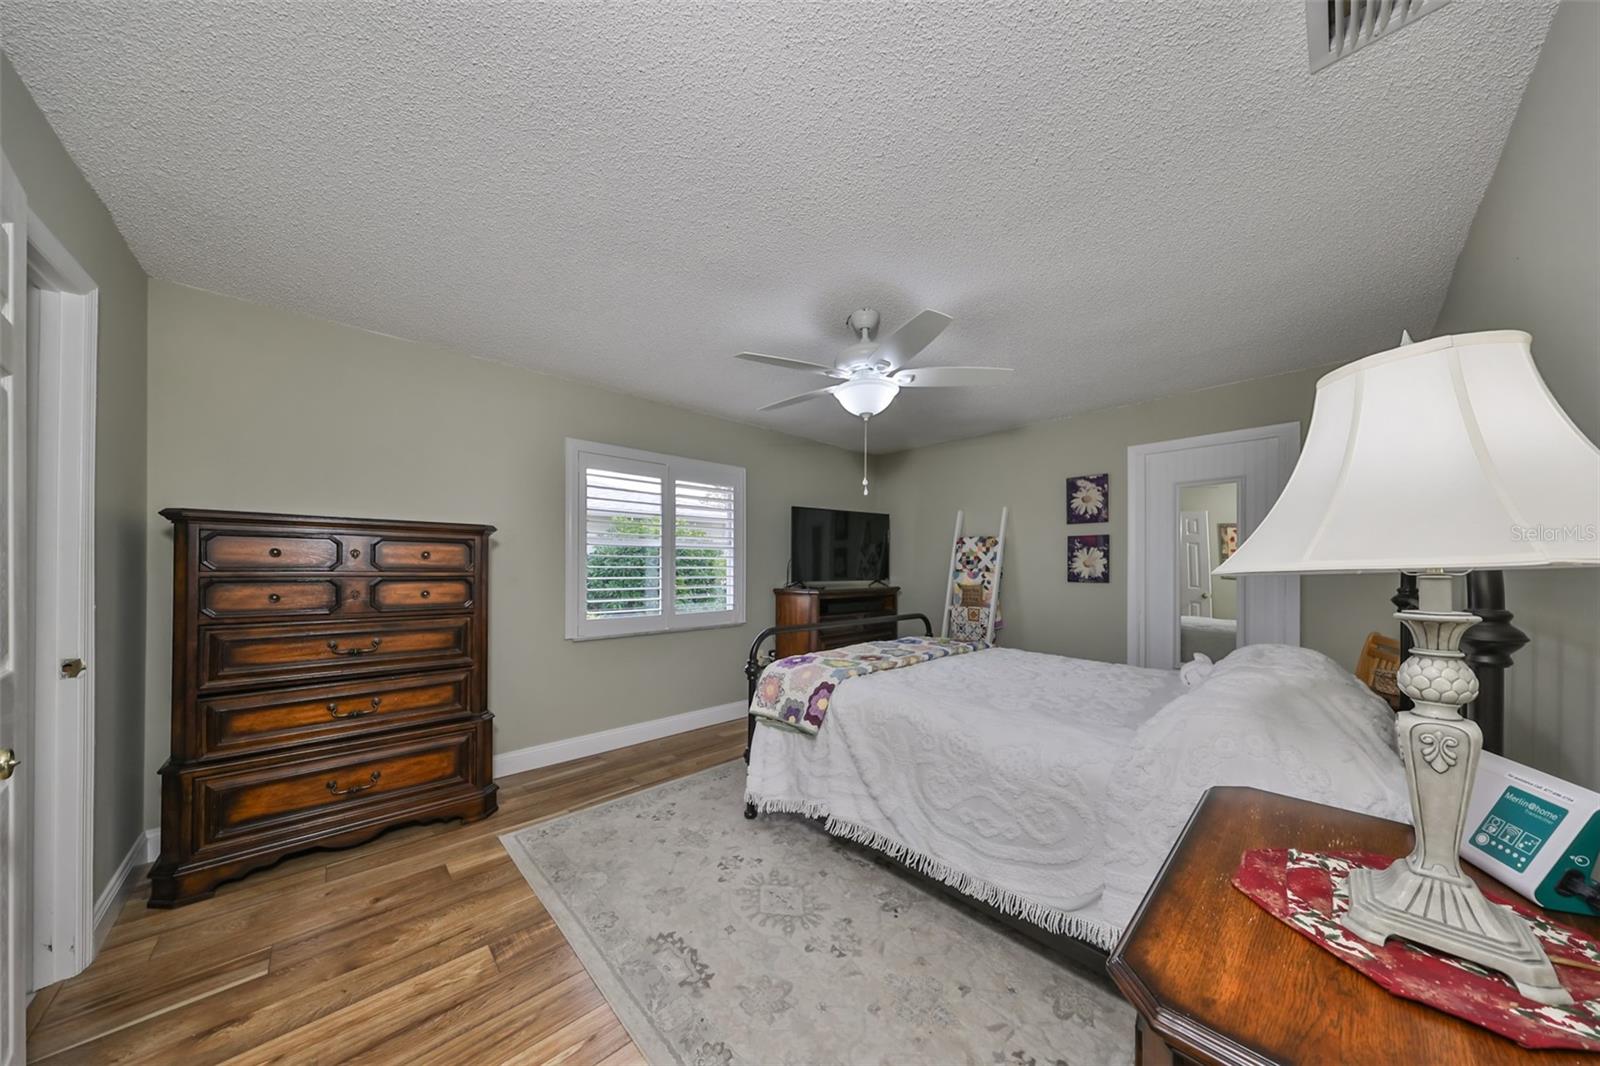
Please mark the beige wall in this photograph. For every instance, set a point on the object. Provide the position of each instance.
(1026, 469)
(259, 409)
(62, 199)
(1220, 502)
(1532, 261)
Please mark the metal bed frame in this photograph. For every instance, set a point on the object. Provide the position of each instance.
(1072, 949)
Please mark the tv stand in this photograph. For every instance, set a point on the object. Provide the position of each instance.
(807, 606)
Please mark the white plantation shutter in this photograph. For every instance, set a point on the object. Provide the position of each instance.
(704, 560)
(654, 542)
(622, 539)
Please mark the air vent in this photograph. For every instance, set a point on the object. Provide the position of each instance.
(1338, 28)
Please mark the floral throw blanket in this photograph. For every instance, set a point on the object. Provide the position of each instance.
(794, 692)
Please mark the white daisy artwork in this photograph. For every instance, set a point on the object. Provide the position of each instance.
(1089, 559)
(1088, 499)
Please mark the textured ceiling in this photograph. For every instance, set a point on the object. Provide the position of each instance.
(1120, 200)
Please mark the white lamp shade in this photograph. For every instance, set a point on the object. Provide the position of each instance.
(1450, 454)
(866, 396)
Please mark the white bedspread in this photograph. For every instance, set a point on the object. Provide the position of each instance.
(986, 771)
(1053, 788)
(1287, 720)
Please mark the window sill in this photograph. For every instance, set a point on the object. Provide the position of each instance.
(657, 632)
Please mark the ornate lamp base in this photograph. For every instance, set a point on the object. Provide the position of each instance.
(1424, 897)
(1430, 909)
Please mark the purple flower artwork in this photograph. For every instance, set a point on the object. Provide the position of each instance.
(1089, 559)
(1088, 499)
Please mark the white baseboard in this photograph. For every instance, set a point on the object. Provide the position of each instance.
(558, 751)
(141, 853)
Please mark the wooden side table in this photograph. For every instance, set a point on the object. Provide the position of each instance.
(1216, 979)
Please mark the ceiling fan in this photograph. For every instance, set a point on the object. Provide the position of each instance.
(870, 374)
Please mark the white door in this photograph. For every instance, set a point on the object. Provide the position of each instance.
(1194, 564)
(15, 693)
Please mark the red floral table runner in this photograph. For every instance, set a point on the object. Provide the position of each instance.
(1308, 892)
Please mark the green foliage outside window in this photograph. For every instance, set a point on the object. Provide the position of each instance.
(620, 574)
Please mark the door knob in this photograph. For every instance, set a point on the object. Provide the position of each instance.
(8, 763)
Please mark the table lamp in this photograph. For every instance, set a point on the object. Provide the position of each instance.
(1437, 458)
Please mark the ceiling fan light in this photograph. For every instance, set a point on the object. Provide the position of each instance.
(866, 396)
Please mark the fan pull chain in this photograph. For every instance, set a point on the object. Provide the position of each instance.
(864, 420)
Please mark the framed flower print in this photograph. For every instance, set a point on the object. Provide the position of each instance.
(1089, 559)
(1088, 499)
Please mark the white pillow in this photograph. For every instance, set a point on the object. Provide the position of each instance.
(1272, 717)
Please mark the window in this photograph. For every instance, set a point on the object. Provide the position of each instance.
(654, 542)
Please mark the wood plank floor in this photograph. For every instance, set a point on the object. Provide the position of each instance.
(423, 945)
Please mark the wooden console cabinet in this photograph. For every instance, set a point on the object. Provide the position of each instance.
(329, 681)
(807, 606)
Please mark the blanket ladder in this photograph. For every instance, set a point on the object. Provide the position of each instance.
(972, 600)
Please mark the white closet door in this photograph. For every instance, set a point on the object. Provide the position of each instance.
(15, 692)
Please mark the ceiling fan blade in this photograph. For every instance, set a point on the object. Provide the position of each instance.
(940, 377)
(793, 364)
(904, 344)
(813, 394)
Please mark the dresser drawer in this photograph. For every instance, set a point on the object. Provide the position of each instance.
(232, 725)
(425, 594)
(227, 598)
(275, 551)
(236, 656)
(262, 797)
(392, 554)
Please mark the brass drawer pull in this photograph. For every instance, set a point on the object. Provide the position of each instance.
(427, 555)
(274, 552)
(273, 597)
(333, 709)
(333, 785)
(355, 553)
(333, 646)
(426, 594)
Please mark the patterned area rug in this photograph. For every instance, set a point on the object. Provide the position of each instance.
(719, 940)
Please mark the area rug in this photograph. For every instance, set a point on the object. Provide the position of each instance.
(719, 940)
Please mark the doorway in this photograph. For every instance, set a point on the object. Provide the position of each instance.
(1208, 606)
(1184, 497)
(48, 341)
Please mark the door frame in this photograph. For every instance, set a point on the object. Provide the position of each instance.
(63, 466)
(1269, 605)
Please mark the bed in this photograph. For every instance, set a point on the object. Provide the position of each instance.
(1049, 789)
(1211, 637)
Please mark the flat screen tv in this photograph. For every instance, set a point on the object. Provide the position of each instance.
(829, 545)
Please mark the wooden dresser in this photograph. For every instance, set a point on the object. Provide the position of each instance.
(329, 681)
(797, 606)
